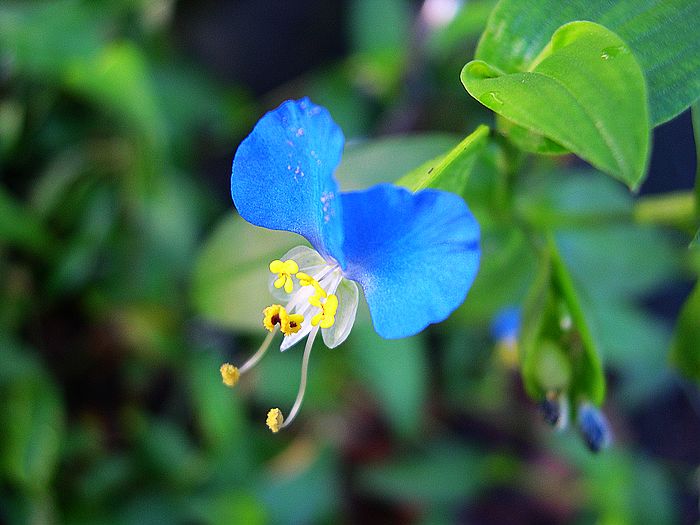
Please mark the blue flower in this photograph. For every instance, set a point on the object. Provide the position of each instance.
(415, 255)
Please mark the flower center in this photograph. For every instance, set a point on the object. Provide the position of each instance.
(311, 307)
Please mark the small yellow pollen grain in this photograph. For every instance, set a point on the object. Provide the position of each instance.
(229, 374)
(275, 420)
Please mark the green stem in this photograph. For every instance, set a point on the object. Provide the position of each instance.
(695, 113)
(677, 209)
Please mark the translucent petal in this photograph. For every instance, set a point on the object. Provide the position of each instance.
(415, 254)
(282, 175)
(348, 296)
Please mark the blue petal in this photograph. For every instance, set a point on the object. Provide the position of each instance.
(282, 176)
(415, 255)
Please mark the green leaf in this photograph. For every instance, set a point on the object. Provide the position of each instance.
(588, 377)
(536, 308)
(695, 243)
(395, 371)
(119, 79)
(19, 227)
(572, 364)
(443, 473)
(69, 30)
(663, 36)
(303, 490)
(32, 416)
(528, 140)
(585, 91)
(378, 25)
(572, 198)
(685, 350)
(218, 412)
(449, 171)
(695, 114)
(507, 265)
(230, 281)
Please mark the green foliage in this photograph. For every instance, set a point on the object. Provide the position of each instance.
(661, 35)
(407, 479)
(584, 90)
(449, 172)
(402, 389)
(685, 352)
(227, 282)
(33, 419)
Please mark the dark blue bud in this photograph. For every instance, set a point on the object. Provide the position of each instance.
(555, 409)
(551, 410)
(594, 427)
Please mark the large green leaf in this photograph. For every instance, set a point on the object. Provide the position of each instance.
(662, 35)
(395, 372)
(685, 351)
(32, 418)
(449, 171)
(444, 473)
(230, 276)
(585, 91)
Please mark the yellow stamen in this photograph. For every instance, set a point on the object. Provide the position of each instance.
(274, 315)
(229, 374)
(326, 317)
(306, 280)
(284, 271)
(275, 419)
(292, 324)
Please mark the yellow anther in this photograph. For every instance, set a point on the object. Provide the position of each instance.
(229, 374)
(284, 271)
(326, 317)
(306, 280)
(277, 315)
(274, 315)
(292, 324)
(275, 420)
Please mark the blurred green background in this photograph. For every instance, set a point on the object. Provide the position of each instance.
(126, 280)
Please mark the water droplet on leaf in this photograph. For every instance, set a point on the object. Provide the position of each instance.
(613, 51)
(491, 99)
